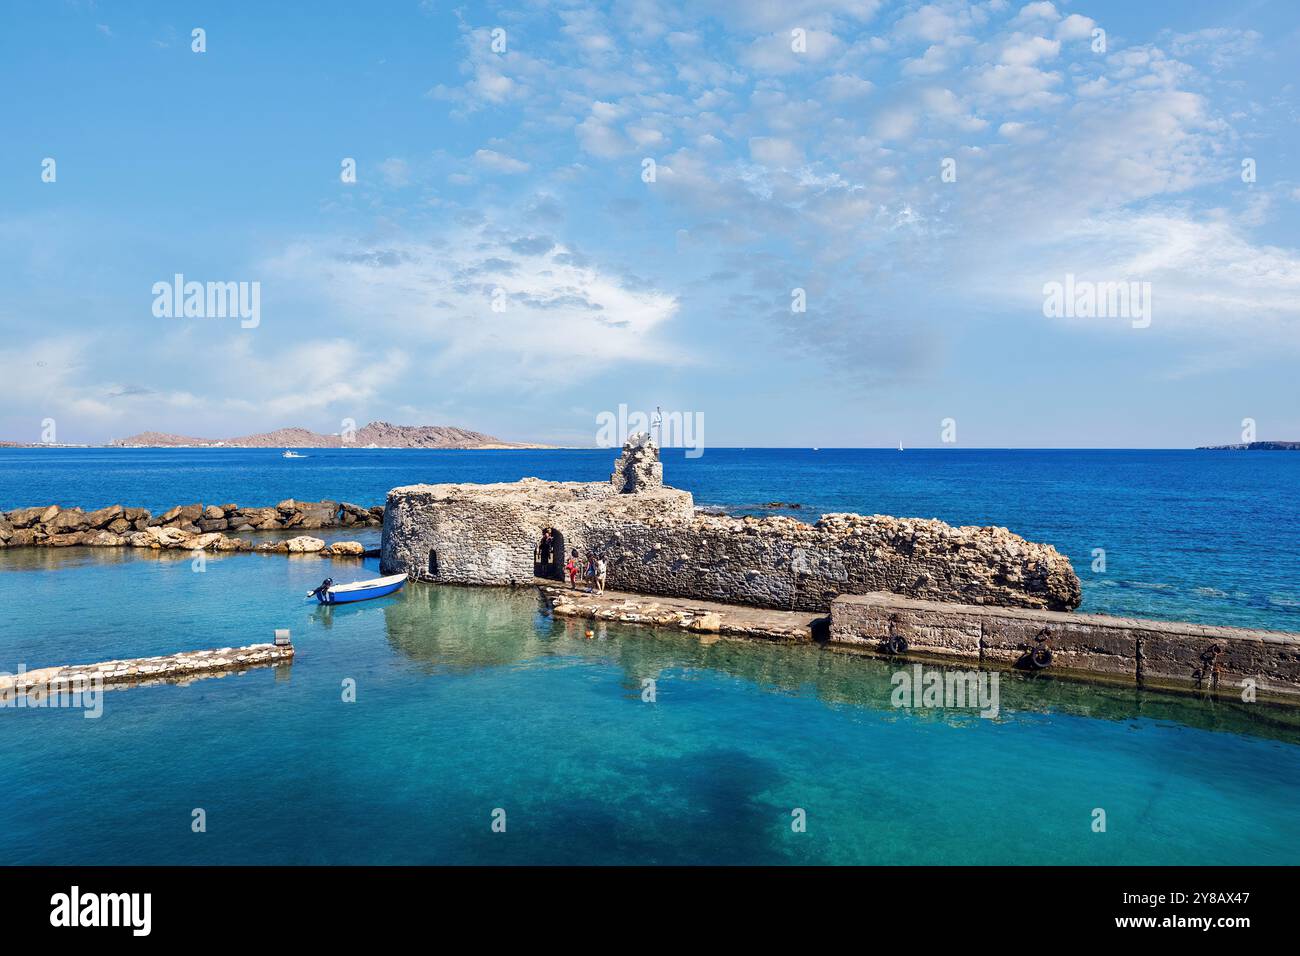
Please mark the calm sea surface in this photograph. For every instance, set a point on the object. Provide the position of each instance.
(1212, 537)
(469, 700)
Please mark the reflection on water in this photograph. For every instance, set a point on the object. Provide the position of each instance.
(459, 628)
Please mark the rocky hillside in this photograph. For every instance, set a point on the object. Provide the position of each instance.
(376, 434)
(1255, 446)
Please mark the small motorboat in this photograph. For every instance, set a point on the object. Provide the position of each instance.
(291, 454)
(331, 593)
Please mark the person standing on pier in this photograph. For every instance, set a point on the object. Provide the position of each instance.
(601, 568)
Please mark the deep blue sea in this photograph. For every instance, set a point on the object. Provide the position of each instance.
(473, 700)
(1212, 537)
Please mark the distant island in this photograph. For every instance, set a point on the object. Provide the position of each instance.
(1255, 446)
(373, 435)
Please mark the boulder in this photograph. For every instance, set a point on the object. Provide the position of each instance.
(64, 540)
(213, 524)
(204, 541)
(265, 518)
(103, 539)
(349, 549)
(270, 547)
(26, 517)
(167, 537)
(22, 538)
(212, 512)
(119, 526)
(708, 623)
(71, 520)
(304, 544)
(48, 515)
(182, 515)
(104, 516)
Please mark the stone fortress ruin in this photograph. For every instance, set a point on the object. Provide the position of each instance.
(655, 542)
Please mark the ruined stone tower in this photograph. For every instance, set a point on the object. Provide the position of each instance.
(638, 468)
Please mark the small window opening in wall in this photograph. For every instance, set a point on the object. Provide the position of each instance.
(433, 561)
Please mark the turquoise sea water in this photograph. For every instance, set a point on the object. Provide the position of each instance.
(469, 700)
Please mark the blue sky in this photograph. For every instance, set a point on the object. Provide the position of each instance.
(521, 170)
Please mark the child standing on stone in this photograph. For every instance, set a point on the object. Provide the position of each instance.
(572, 567)
(600, 575)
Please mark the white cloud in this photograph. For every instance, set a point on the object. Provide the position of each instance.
(772, 151)
(500, 163)
(843, 86)
(1075, 27)
(1038, 11)
(396, 172)
(929, 23)
(1022, 87)
(522, 310)
(775, 52)
(1021, 50)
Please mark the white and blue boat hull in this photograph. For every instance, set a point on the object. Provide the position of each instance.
(360, 590)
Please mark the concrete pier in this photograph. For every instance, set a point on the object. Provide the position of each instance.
(171, 668)
(705, 617)
(1155, 654)
(1166, 654)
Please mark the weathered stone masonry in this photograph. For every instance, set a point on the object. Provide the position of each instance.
(654, 542)
(1169, 653)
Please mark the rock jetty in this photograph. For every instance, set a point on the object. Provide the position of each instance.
(196, 527)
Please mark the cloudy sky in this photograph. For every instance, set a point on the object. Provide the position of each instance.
(564, 207)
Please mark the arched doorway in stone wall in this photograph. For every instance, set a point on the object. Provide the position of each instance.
(548, 555)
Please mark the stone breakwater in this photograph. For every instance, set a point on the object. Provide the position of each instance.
(194, 527)
(654, 542)
(1153, 653)
(698, 616)
(1162, 655)
(173, 667)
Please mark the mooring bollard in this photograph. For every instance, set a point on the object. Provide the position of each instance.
(282, 637)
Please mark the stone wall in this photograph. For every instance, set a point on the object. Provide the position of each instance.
(654, 542)
(489, 534)
(784, 563)
(1158, 653)
(53, 526)
(172, 667)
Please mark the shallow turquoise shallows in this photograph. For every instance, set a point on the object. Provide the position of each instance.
(473, 700)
